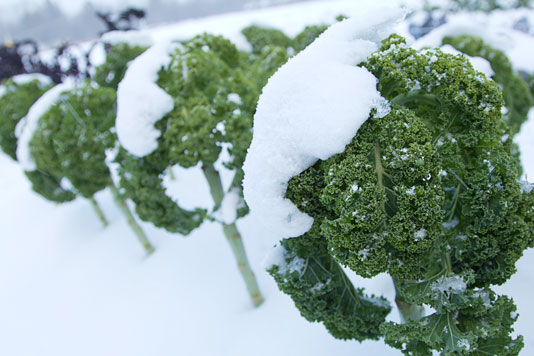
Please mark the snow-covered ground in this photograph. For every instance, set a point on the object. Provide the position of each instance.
(68, 286)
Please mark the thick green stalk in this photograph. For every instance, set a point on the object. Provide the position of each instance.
(98, 211)
(233, 237)
(171, 173)
(408, 312)
(125, 210)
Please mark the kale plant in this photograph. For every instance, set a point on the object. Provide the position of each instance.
(215, 88)
(16, 100)
(428, 194)
(71, 141)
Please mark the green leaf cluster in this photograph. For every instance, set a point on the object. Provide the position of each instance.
(14, 105)
(73, 136)
(429, 194)
(110, 73)
(517, 96)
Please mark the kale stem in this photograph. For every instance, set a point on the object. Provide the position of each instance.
(446, 259)
(98, 211)
(408, 312)
(171, 173)
(125, 210)
(233, 237)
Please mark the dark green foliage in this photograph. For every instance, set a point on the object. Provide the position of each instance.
(73, 135)
(307, 36)
(429, 194)
(517, 97)
(49, 187)
(265, 40)
(260, 37)
(322, 292)
(111, 72)
(142, 182)
(14, 105)
(215, 89)
(481, 328)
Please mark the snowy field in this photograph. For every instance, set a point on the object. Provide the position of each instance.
(69, 287)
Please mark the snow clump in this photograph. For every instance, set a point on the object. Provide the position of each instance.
(311, 109)
(141, 102)
(132, 38)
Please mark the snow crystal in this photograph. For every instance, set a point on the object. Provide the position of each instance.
(235, 98)
(232, 201)
(132, 38)
(454, 284)
(141, 103)
(29, 124)
(484, 295)
(526, 187)
(464, 344)
(277, 257)
(420, 234)
(319, 285)
(479, 63)
(450, 224)
(309, 110)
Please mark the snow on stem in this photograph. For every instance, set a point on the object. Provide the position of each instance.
(233, 237)
(125, 210)
(98, 211)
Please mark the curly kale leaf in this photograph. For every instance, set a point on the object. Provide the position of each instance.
(73, 135)
(142, 182)
(322, 292)
(482, 329)
(49, 187)
(14, 105)
(517, 97)
(110, 73)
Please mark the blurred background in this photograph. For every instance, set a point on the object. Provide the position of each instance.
(53, 21)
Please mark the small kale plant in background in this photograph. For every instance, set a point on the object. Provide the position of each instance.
(426, 192)
(67, 133)
(18, 95)
(71, 141)
(209, 90)
(264, 39)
